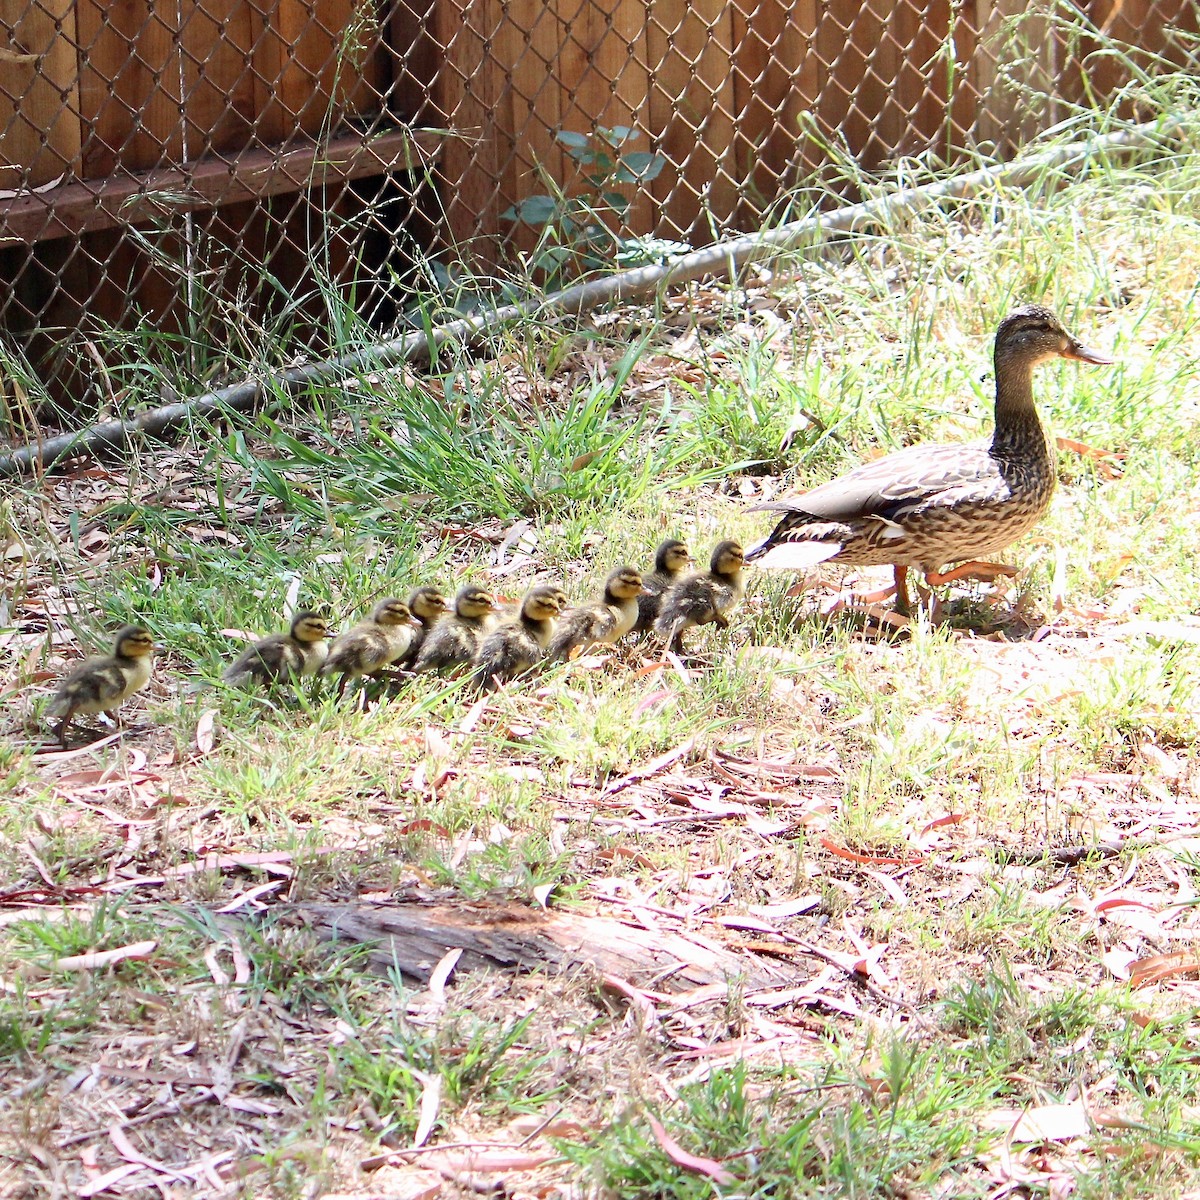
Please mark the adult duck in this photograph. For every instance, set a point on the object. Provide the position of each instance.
(928, 506)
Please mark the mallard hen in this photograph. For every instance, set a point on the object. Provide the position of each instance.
(372, 645)
(283, 656)
(928, 506)
(706, 598)
(98, 685)
(454, 640)
(518, 645)
(606, 621)
(671, 560)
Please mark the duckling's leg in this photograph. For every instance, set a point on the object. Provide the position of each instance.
(673, 643)
(63, 726)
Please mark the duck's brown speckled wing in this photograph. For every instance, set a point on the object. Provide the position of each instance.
(583, 626)
(98, 681)
(929, 505)
(890, 487)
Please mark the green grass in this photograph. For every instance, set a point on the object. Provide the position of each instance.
(968, 740)
(481, 1066)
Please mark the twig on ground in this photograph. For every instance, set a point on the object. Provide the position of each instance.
(1072, 856)
(858, 977)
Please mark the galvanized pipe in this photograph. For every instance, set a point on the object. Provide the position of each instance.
(720, 258)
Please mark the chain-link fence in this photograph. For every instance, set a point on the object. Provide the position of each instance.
(154, 154)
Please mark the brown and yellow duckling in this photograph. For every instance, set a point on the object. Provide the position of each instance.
(99, 685)
(517, 645)
(455, 639)
(372, 645)
(671, 560)
(606, 621)
(428, 606)
(928, 506)
(706, 598)
(283, 656)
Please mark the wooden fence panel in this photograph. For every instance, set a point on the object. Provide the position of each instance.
(692, 107)
(130, 87)
(470, 92)
(924, 73)
(222, 94)
(39, 92)
(777, 83)
(1156, 33)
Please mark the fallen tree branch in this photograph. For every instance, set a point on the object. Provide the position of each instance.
(1071, 856)
(412, 937)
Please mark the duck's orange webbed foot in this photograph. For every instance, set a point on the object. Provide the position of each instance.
(985, 572)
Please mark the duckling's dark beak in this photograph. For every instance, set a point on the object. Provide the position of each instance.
(1087, 354)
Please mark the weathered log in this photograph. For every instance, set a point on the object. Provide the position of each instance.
(413, 937)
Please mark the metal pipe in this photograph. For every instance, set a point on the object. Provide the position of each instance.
(721, 257)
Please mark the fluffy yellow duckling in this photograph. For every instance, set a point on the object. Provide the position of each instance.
(602, 623)
(454, 640)
(706, 598)
(428, 605)
(283, 656)
(671, 559)
(372, 645)
(100, 684)
(517, 645)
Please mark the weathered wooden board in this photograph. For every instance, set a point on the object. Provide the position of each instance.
(412, 938)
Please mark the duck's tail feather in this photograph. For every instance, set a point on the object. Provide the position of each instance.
(791, 556)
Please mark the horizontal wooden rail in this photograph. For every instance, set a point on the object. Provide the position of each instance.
(75, 208)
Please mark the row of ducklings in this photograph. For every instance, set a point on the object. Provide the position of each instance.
(423, 634)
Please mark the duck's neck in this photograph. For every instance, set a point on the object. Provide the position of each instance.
(622, 603)
(538, 628)
(1018, 430)
(732, 579)
(133, 663)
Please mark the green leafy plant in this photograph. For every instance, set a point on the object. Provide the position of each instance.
(584, 232)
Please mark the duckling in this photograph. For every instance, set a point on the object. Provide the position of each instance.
(671, 559)
(372, 645)
(604, 622)
(454, 640)
(706, 598)
(517, 645)
(100, 684)
(283, 656)
(428, 605)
